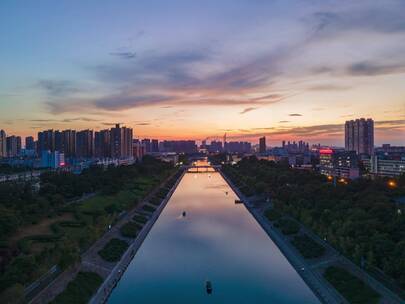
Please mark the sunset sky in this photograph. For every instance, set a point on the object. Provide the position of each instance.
(196, 69)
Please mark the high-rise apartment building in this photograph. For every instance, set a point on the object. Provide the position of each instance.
(121, 142)
(3, 143)
(102, 144)
(85, 144)
(29, 143)
(68, 143)
(154, 145)
(46, 141)
(262, 144)
(359, 136)
(13, 146)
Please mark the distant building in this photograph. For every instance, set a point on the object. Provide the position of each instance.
(387, 164)
(147, 144)
(262, 145)
(85, 144)
(337, 163)
(215, 147)
(154, 145)
(53, 159)
(29, 143)
(69, 143)
(102, 144)
(121, 142)
(46, 141)
(13, 144)
(3, 144)
(178, 146)
(359, 136)
(238, 147)
(139, 149)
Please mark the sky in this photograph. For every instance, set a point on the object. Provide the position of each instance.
(287, 70)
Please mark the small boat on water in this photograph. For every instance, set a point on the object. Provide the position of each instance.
(208, 286)
(238, 201)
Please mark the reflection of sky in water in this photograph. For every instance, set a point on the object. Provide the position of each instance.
(217, 240)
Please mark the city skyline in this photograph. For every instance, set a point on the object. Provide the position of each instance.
(296, 71)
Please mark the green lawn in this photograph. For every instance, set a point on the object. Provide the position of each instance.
(80, 290)
(130, 229)
(113, 250)
(351, 287)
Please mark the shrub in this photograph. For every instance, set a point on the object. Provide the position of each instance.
(140, 219)
(308, 247)
(351, 287)
(80, 290)
(113, 250)
(129, 230)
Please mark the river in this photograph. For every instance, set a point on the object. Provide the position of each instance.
(217, 241)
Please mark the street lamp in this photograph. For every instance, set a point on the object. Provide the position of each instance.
(392, 183)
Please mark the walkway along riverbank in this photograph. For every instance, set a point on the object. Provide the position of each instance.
(325, 293)
(104, 291)
(92, 262)
(312, 273)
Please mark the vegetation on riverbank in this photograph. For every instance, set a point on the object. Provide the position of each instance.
(360, 219)
(80, 290)
(308, 248)
(130, 230)
(45, 228)
(113, 250)
(352, 288)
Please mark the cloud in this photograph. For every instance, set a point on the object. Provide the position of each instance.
(57, 88)
(65, 120)
(379, 17)
(284, 121)
(328, 87)
(294, 114)
(366, 68)
(246, 110)
(124, 55)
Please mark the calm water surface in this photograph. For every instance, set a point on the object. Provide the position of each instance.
(218, 241)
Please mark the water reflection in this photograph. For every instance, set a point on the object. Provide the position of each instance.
(217, 241)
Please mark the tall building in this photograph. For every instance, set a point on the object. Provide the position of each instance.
(29, 143)
(146, 142)
(102, 144)
(69, 143)
(46, 141)
(13, 146)
(121, 142)
(3, 143)
(262, 144)
(85, 144)
(154, 145)
(359, 136)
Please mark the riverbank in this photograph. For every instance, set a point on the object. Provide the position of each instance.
(312, 271)
(320, 288)
(104, 291)
(91, 260)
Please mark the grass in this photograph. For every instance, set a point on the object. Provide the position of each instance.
(351, 287)
(80, 290)
(308, 248)
(113, 250)
(130, 230)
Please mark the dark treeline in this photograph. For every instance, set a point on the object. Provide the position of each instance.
(21, 204)
(360, 219)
